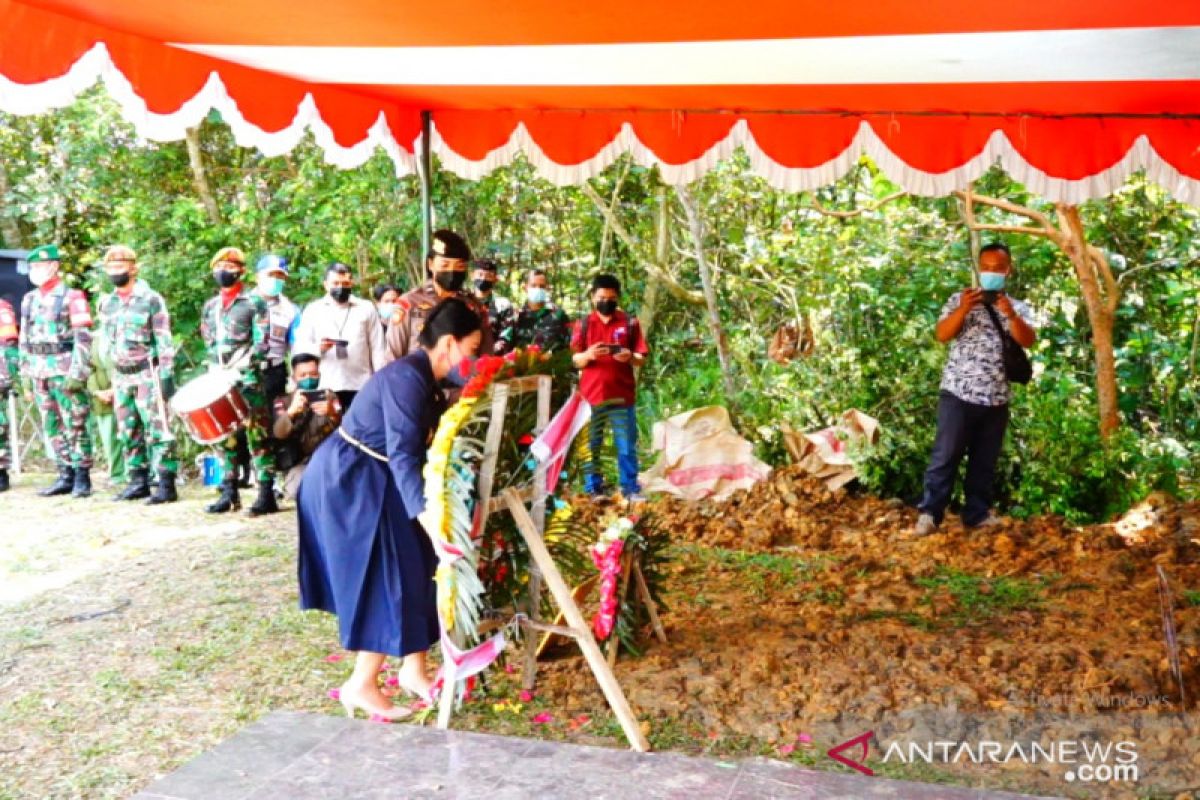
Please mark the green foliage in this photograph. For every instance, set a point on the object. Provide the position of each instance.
(870, 286)
(979, 599)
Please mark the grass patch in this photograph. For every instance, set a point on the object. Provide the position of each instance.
(978, 599)
(1191, 597)
(763, 572)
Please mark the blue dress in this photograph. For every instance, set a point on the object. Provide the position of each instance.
(362, 554)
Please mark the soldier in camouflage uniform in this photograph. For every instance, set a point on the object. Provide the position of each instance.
(446, 265)
(55, 342)
(539, 322)
(138, 331)
(501, 312)
(9, 372)
(233, 323)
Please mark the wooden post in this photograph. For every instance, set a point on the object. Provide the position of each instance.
(583, 634)
(529, 669)
(651, 607)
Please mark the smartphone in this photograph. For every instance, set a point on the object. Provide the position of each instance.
(315, 396)
(989, 296)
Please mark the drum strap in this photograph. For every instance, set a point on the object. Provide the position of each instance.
(361, 446)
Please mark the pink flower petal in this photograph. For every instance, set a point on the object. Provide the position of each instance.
(392, 681)
(786, 750)
(543, 718)
(804, 738)
(510, 669)
(335, 694)
(379, 718)
(333, 658)
(525, 696)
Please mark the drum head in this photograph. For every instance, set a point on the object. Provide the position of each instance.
(202, 392)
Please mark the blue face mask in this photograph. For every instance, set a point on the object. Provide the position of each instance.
(308, 384)
(270, 285)
(991, 281)
(537, 296)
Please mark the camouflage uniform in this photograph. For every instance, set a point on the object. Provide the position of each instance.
(138, 330)
(548, 327)
(9, 371)
(502, 314)
(244, 324)
(55, 342)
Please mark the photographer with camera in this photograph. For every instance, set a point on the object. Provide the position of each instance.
(973, 405)
(301, 420)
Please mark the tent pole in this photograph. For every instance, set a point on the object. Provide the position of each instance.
(425, 170)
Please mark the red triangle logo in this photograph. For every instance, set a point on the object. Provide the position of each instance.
(863, 740)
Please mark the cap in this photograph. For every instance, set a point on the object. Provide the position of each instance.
(228, 254)
(47, 252)
(271, 262)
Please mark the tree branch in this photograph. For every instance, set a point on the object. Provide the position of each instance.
(673, 286)
(1004, 205)
(815, 205)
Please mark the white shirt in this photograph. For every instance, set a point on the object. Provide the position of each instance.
(283, 313)
(358, 323)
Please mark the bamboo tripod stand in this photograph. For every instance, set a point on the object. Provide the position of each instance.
(532, 529)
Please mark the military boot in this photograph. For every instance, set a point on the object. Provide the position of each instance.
(64, 484)
(83, 483)
(138, 486)
(3, 480)
(265, 504)
(229, 499)
(165, 491)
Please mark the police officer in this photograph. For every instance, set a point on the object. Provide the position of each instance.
(235, 325)
(9, 371)
(55, 341)
(446, 268)
(137, 329)
(271, 272)
(501, 312)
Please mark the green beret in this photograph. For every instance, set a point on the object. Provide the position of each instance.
(47, 252)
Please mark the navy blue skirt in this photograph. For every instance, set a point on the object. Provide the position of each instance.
(361, 557)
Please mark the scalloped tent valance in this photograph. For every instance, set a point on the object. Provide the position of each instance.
(1070, 101)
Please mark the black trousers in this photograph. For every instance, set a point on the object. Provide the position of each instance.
(974, 431)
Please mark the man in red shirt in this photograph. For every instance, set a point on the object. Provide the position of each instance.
(608, 345)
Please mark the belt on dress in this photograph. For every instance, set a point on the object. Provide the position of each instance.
(356, 443)
(133, 369)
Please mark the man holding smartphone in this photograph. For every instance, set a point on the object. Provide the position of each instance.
(973, 405)
(608, 345)
(301, 420)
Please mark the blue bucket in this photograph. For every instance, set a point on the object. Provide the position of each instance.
(212, 471)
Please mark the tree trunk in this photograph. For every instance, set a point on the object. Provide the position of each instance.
(696, 225)
(200, 177)
(1100, 296)
(662, 252)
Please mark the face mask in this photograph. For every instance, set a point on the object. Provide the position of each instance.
(38, 275)
(340, 294)
(387, 311)
(119, 279)
(308, 384)
(270, 286)
(450, 281)
(483, 286)
(606, 307)
(991, 281)
(226, 278)
(537, 296)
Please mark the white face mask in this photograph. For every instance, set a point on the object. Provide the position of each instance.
(38, 274)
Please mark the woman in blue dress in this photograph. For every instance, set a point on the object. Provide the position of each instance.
(363, 554)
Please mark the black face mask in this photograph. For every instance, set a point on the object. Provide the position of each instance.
(341, 294)
(226, 278)
(483, 286)
(119, 279)
(450, 281)
(606, 307)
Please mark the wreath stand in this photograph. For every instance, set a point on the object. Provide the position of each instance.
(544, 568)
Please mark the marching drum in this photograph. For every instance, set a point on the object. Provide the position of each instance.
(211, 406)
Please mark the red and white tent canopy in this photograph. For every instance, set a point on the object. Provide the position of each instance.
(1070, 96)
